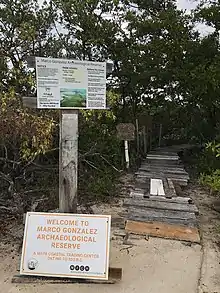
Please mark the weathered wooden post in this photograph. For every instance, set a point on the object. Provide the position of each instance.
(145, 120)
(137, 136)
(68, 165)
(160, 135)
(145, 139)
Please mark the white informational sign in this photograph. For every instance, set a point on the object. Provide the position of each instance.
(66, 245)
(70, 84)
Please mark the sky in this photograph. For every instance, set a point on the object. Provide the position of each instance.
(188, 5)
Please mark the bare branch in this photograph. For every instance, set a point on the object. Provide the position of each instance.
(110, 164)
(9, 161)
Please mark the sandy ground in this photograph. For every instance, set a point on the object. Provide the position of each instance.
(209, 209)
(150, 265)
(156, 265)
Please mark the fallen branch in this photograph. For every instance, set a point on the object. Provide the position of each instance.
(110, 164)
(37, 190)
(89, 152)
(91, 164)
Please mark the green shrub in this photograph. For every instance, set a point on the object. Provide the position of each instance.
(211, 180)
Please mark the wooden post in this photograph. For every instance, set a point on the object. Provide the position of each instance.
(126, 154)
(160, 135)
(147, 138)
(137, 133)
(150, 140)
(68, 161)
(145, 141)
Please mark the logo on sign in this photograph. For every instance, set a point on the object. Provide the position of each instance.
(32, 264)
(81, 268)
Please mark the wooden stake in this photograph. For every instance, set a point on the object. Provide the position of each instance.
(137, 133)
(160, 135)
(126, 154)
(150, 138)
(68, 161)
(145, 140)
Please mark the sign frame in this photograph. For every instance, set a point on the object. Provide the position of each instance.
(71, 274)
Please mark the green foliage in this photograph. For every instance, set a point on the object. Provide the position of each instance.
(212, 180)
(214, 147)
(28, 134)
(209, 166)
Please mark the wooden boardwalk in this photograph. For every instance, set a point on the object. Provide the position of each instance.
(154, 207)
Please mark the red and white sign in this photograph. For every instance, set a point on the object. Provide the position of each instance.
(66, 245)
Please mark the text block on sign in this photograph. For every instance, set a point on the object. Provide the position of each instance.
(66, 245)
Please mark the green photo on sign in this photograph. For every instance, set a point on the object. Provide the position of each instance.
(71, 98)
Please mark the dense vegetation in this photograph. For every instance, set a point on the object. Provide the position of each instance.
(162, 66)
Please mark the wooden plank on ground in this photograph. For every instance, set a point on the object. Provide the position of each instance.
(180, 181)
(163, 164)
(171, 186)
(164, 230)
(181, 222)
(163, 153)
(182, 200)
(161, 205)
(150, 175)
(168, 192)
(161, 173)
(168, 216)
(165, 170)
(156, 187)
(161, 157)
(163, 167)
(143, 185)
(137, 194)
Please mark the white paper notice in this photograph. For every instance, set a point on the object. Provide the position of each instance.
(65, 245)
(70, 84)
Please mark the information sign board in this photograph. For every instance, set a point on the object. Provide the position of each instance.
(66, 245)
(70, 84)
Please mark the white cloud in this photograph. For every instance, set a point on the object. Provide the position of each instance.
(187, 4)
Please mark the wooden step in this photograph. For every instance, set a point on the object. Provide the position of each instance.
(161, 205)
(167, 216)
(164, 170)
(162, 157)
(163, 230)
(163, 174)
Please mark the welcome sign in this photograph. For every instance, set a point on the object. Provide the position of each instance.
(66, 245)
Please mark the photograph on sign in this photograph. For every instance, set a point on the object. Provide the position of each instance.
(66, 245)
(70, 84)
